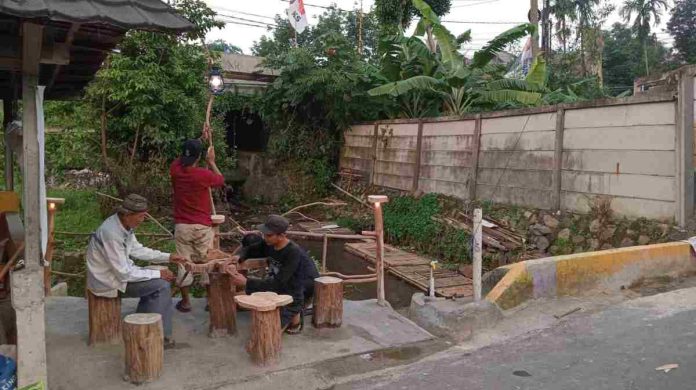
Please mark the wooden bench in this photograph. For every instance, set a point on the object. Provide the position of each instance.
(264, 345)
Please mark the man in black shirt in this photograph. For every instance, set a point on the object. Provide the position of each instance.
(291, 270)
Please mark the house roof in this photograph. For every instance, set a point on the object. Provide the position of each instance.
(85, 31)
(244, 64)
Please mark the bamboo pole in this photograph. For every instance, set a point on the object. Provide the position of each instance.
(153, 219)
(48, 256)
(478, 219)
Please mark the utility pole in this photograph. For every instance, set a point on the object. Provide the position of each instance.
(360, 28)
(534, 19)
(546, 29)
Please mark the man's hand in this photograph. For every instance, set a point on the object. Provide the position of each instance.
(167, 275)
(177, 259)
(210, 156)
(238, 279)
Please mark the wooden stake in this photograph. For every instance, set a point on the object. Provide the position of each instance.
(478, 223)
(324, 251)
(143, 339)
(377, 201)
(328, 302)
(222, 308)
(104, 319)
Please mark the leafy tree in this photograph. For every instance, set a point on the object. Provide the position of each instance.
(646, 12)
(151, 94)
(332, 22)
(624, 57)
(221, 46)
(424, 81)
(682, 26)
(396, 15)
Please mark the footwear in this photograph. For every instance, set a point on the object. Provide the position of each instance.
(169, 343)
(297, 329)
(182, 308)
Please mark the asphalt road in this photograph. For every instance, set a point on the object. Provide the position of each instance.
(618, 348)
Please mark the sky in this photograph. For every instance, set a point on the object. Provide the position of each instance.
(244, 18)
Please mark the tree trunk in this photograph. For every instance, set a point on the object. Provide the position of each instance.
(222, 308)
(104, 319)
(265, 343)
(143, 339)
(328, 302)
(645, 56)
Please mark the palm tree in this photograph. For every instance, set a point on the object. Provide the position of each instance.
(646, 12)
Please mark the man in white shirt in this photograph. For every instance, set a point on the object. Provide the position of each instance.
(111, 271)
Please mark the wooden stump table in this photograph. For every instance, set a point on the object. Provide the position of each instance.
(328, 302)
(221, 305)
(143, 339)
(104, 319)
(264, 345)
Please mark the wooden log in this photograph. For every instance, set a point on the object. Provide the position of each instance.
(264, 345)
(328, 302)
(104, 319)
(143, 340)
(221, 304)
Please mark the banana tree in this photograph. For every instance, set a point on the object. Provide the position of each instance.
(454, 84)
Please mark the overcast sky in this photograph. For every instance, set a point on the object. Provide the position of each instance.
(238, 14)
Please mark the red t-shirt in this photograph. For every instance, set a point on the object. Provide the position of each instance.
(191, 198)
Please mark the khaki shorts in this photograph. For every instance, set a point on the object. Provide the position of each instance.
(192, 242)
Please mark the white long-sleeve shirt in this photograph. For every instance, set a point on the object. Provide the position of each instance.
(109, 264)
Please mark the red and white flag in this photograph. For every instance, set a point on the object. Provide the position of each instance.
(297, 15)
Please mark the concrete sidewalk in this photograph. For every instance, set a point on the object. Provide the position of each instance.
(200, 362)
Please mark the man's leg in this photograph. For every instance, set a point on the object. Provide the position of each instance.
(155, 297)
(192, 241)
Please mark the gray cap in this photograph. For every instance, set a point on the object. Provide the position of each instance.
(275, 224)
(133, 203)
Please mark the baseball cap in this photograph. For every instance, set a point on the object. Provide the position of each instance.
(133, 203)
(193, 148)
(275, 224)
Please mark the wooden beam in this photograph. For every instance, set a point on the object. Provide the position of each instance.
(419, 146)
(558, 158)
(8, 116)
(476, 148)
(27, 283)
(70, 37)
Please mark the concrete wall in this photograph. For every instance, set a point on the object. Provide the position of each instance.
(557, 157)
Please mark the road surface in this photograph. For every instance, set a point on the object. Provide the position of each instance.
(617, 348)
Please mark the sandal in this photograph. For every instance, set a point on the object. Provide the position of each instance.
(297, 329)
(181, 307)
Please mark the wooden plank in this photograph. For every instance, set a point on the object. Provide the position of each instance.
(558, 158)
(317, 227)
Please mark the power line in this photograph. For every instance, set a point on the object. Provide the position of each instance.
(248, 20)
(247, 24)
(474, 4)
(242, 13)
(470, 22)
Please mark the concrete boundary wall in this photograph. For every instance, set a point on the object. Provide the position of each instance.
(586, 273)
(637, 150)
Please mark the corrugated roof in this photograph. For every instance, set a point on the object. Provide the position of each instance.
(127, 14)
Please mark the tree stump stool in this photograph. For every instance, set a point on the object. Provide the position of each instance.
(143, 339)
(104, 319)
(328, 302)
(265, 343)
(221, 305)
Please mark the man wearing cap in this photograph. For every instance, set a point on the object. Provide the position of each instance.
(111, 271)
(291, 270)
(193, 232)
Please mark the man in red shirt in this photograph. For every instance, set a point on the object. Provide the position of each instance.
(193, 227)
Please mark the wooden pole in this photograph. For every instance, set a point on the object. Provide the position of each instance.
(377, 201)
(27, 290)
(8, 116)
(324, 251)
(534, 19)
(478, 219)
(143, 339)
(49, 247)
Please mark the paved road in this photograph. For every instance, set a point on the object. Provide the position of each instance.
(618, 348)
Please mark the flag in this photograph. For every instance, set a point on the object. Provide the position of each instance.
(297, 15)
